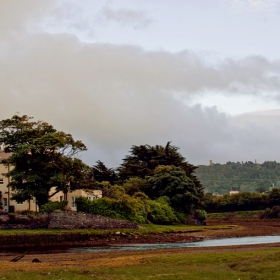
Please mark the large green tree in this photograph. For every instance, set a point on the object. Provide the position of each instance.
(172, 182)
(42, 158)
(144, 159)
(101, 173)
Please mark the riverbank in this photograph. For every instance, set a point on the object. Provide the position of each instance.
(215, 228)
(232, 262)
(216, 262)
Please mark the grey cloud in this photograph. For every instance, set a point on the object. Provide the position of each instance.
(258, 132)
(17, 17)
(69, 15)
(112, 97)
(125, 17)
(254, 5)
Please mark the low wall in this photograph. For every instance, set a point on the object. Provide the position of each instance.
(81, 220)
(62, 220)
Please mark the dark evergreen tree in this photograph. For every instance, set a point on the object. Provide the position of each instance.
(143, 160)
(172, 182)
(101, 173)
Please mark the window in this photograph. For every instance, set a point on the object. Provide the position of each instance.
(5, 202)
(73, 203)
(89, 197)
(61, 198)
(19, 202)
(1, 181)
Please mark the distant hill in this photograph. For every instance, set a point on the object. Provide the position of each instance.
(248, 176)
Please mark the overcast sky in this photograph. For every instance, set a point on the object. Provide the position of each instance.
(204, 74)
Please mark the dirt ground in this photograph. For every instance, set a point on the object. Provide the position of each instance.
(115, 259)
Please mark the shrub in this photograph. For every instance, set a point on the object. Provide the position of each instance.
(29, 213)
(136, 209)
(124, 208)
(200, 215)
(181, 217)
(272, 213)
(25, 212)
(53, 206)
(160, 212)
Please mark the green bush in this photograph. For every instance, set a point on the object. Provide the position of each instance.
(124, 208)
(200, 215)
(181, 217)
(53, 206)
(29, 213)
(160, 212)
(271, 213)
(26, 212)
(137, 209)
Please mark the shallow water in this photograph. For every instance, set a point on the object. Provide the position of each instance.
(251, 240)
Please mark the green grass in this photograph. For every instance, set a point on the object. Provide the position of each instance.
(49, 236)
(147, 228)
(256, 265)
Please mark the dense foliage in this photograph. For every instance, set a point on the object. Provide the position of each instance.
(138, 209)
(153, 183)
(144, 159)
(245, 177)
(53, 206)
(172, 182)
(166, 173)
(245, 201)
(42, 157)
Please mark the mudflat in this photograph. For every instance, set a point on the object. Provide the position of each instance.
(127, 258)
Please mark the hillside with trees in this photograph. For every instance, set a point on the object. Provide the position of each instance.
(244, 177)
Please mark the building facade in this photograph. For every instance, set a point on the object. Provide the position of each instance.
(8, 205)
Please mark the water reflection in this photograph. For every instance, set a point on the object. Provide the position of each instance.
(205, 243)
(129, 247)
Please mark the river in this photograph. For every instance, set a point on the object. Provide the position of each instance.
(251, 240)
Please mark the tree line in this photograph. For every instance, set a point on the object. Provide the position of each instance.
(153, 183)
(246, 201)
(241, 176)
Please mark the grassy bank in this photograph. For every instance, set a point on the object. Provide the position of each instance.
(258, 264)
(224, 225)
(59, 237)
(144, 229)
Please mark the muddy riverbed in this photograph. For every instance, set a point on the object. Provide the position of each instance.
(64, 259)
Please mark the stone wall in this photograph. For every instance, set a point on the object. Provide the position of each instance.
(81, 220)
(62, 220)
(17, 221)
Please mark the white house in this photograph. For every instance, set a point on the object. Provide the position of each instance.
(9, 205)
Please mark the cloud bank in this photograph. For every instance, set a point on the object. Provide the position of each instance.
(112, 97)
